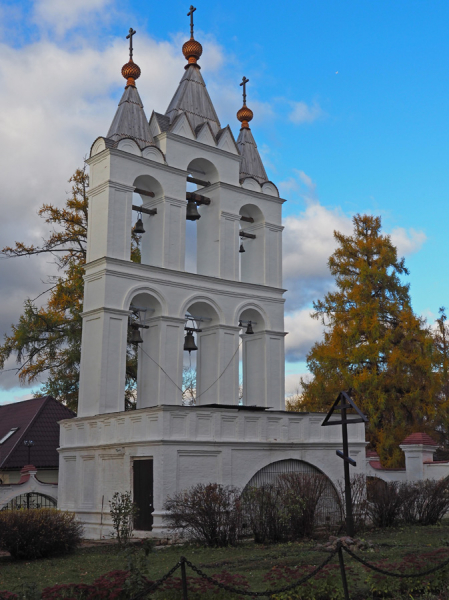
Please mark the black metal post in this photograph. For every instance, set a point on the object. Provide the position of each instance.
(343, 572)
(184, 578)
(348, 500)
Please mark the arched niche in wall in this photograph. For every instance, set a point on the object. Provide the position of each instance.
(146, 309)
(197, 231)
(252, 260)
(148, 194)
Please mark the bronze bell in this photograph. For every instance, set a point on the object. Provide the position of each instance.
(249, 329)
(138, 227)
(135, 338)
(242, 249)
(192, 213)
(189, 342)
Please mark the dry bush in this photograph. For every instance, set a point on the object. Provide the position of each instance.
(286, 510)
(425, 502)
(386, 499)
(210, 514)
(360, 505)
(38, 533)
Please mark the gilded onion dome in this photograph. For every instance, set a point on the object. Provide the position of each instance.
(192, 50)
(131, 72)
(245, 115)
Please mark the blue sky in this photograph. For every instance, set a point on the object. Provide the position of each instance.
(350, 103)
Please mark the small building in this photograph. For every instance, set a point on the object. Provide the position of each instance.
(35, 421)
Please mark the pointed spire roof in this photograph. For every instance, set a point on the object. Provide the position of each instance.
(130, 120)
(192, 96)
(251, 165)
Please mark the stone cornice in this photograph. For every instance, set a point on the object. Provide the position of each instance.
(150, 271)
(200, 145)
(134, 158)
(99, 311)
(240, 190)
(110, 184)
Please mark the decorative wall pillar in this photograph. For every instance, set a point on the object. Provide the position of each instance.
(161, 350)
(229, 245)
(110, 221)
(163, 243)
(263, 360)
(217, 378)
(103, 360)
(208, 240)
(273, 255)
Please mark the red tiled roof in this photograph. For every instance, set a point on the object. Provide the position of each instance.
(37, 420)
(419, 438)
(371, 454)
(377, 465)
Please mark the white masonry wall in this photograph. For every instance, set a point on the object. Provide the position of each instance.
(188, 445)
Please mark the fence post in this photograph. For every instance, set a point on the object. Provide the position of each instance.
(184, 578)
(342, 571)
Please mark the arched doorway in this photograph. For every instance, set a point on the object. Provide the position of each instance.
(329, 509)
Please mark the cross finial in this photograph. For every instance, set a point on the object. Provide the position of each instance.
(244, 82)
(190, 14)
(130, 38)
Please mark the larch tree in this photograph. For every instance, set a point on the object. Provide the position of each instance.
(373, 342)
(441, 359)
(47, 339)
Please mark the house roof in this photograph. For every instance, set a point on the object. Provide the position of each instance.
(35, 420)
(419, 438)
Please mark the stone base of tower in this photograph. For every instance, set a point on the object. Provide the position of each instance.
(177, 447)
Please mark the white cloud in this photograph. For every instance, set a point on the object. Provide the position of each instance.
(407, 242)
(303, 332)
(305, 113)
(63, 14)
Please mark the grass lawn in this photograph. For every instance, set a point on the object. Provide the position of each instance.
(248, 559)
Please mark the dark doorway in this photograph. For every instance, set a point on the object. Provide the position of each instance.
(143, 493)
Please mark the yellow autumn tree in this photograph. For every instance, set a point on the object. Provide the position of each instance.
(47, 340)
(373, 342)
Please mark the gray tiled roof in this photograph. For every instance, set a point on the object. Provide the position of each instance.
(251, 165)
(192, 98)
(130, 120)
(163, 121)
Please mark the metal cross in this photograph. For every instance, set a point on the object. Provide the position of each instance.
(190, 14)
(244, 82)
(130, 38)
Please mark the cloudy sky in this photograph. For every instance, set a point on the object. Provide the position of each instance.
(351, 115)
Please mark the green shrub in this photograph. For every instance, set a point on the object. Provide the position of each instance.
(38, 533)
(123, 512)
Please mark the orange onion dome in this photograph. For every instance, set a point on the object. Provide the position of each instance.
(245, 115)
(131, 72)
(192, 50)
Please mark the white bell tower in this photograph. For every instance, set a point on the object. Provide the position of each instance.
(231, 293)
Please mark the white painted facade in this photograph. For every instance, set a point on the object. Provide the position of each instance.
(188, 445)
(223, 443)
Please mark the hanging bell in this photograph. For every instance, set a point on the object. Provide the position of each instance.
(249, 329)
(189, 342)
(192, 213)
(135, 338)
(242, 249)
(138, 227)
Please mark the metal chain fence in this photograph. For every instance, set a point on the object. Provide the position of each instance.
(269, 593)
